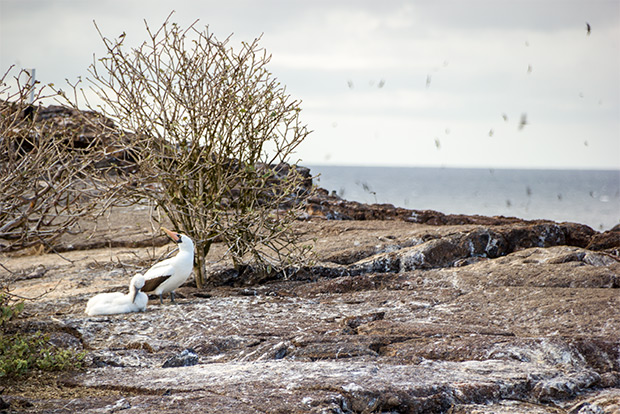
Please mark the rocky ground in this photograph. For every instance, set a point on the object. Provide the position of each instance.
(403, 312)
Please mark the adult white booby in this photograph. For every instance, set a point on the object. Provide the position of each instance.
(169, 274)
(116, 302)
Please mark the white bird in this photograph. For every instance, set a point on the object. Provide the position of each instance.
(116, 302)
(169, 274)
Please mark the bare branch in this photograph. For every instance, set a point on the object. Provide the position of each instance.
(51, 171)
(213, 131)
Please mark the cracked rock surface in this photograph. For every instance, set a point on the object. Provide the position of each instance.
(395, 317)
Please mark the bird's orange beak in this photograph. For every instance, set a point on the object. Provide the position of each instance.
(174, 236)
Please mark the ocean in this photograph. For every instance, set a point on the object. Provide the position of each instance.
(587, 197)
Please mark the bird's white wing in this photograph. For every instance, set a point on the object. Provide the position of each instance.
(102, 298)
(121, 304)
(98, 305)
(162, 268)
(157, 275)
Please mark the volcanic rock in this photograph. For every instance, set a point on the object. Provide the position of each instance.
(394, 316)
(186, 358)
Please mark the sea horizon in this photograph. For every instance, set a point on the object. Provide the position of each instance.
(586, 196)
(453, 167)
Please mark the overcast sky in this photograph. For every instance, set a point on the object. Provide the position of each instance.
(407, 83)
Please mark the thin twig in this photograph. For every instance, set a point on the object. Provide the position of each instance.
(53, 249)
(36, 297)
(7, 269)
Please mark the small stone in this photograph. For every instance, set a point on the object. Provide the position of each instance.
(185, 359)
(355, 322)
(588, 408)
(120, 405)
(141, 345)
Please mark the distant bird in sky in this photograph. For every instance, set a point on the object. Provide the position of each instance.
(437, 143)
(350, 84)
(588, 29)
(505, 117)
(529, 68)
(428, 81)
(491, 132)
(381, 84)
(523, 121)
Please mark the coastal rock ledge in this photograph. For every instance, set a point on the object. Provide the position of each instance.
(481, 315)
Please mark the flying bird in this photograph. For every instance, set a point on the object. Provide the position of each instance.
(169, 274)
(523, 121)
(116, 302)
(588, 29)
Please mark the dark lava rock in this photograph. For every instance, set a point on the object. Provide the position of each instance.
(605, 241)
(334, 208)
(465, 248)
(186, 358)
(393, 316)
(4, 405)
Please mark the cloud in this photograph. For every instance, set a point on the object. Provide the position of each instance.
(475, 53)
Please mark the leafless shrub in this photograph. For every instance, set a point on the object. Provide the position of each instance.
(213, 132)
(46, 182)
